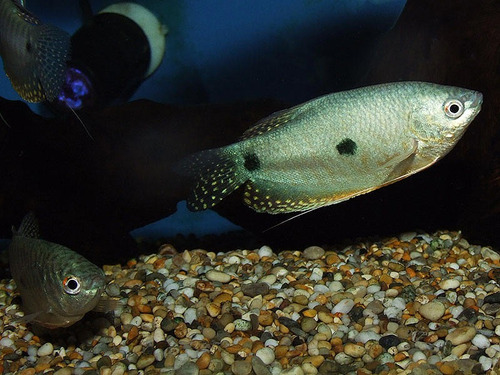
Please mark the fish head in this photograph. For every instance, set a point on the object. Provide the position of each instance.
(440, 117)
(79, 289)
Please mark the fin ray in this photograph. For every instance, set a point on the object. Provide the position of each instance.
(217, 175)
(271, 122)
(29, 226)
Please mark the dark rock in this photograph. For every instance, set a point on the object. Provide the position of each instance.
(255, 289)
(389, 341)
(492, 298)
(289, 323)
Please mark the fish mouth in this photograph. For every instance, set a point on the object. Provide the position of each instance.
(477, 99)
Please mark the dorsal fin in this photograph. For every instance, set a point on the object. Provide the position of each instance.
(271, 122)
(29, 226)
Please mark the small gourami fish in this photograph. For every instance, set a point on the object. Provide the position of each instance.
(57, 285)
(34, 54)
(335, 147)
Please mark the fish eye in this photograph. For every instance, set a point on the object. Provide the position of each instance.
(453, 108)
(72, 285)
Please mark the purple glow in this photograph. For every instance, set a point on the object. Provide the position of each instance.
(77, 91)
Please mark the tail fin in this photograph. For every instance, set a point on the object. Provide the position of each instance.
(216, 173)
(53, 47)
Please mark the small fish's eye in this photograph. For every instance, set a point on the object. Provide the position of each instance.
(453, 108)
(71, 285)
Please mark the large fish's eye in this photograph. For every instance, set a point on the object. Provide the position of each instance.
(453, 108)
(72, 285)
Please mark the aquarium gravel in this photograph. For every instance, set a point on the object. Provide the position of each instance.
(413, 304)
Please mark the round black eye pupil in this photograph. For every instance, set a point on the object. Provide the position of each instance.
(454, 108)
(72, 284)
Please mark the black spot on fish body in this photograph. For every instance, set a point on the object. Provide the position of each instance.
(252, 162)
(347, 147)
(28, 46)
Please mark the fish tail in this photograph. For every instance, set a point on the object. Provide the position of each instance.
(217, 172)
(53, 51)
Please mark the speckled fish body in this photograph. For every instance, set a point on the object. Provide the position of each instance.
(57, 285)
(335, 147)
(34, 54)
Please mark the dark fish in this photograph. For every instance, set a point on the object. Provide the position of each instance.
(335, 147)
(34, 54)
(57, 285)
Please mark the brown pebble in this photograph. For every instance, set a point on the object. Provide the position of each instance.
(213, 309)
(181, 330)
(75, 356)
(203, 361)
(281, 351)
(28, 371)
(315, 360)
(399, 357)
(221, 298)
(374, 349)
(41, 367)
(447, 369)
(132, 334)
(266, 318)
(147, 317)
(132, 283)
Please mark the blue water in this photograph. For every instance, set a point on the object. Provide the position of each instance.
(234, 50)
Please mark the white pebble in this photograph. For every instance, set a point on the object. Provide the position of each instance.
(268, 279)
(393, 312)
(343, 306)
(6, 342)
(214, 275)
(433, 310)
(117, 340)
(271, 343)
(266, 355)
(320, 288)
(265, 251)
(188, 292)
(316, 274)
(486, 363)
(448, 284)
(158, 353)
(365, 336)
(372, 289)
(45, 349)
(417, 356)
(136, 321)
(399, 303)
(190, 315)
(335, 286)
(486, 252)
(158, 335)
(481, 341)
(456, 311)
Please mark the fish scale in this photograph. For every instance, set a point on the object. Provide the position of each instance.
(335, 147)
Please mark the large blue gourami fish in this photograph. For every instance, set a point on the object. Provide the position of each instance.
(34, 54)
(57, 285)
(335, 147)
